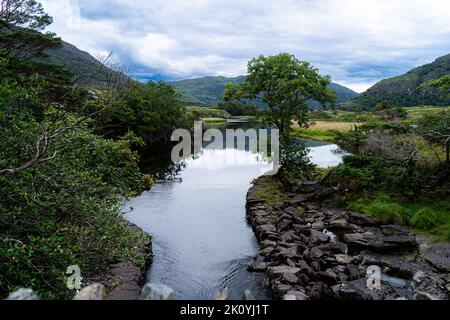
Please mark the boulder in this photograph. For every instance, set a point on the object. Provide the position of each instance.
(153, 291)
(318, 237)
(343, 259)
(361, 219)
(439, 256)
(339, 224)
(378, 242)
(284, 224)
(279, 271)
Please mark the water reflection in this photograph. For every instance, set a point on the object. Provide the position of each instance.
(202, 242)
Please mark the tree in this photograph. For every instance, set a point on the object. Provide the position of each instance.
(20, 24)
(442, 83)
(286, 85)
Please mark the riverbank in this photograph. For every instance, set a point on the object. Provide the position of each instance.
(124, 279)
(313, 250)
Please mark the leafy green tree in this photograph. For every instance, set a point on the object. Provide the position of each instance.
(443, 83)
(286, 85)
(151, 111)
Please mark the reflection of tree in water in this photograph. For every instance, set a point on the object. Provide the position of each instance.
(158, 163)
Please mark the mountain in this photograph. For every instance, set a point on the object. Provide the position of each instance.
(208, 91)
(407, 90)
(86, 69)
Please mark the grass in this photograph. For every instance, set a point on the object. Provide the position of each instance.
(323, 130)
(424, 217)
(270, 190)
(415, 113)
(214, 120)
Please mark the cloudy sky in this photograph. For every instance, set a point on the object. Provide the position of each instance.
(356, 42)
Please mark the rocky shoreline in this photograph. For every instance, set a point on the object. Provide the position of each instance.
(124, 280)
(312, 250)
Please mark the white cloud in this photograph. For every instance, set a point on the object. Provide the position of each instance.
(356, 42)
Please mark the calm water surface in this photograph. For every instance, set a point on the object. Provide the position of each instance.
(201, 240)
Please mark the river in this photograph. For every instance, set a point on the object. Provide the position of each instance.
(201, 240)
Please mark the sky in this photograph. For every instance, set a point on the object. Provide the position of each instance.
(357, 43)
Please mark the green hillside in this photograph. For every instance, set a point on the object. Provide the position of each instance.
(407, 90)
(208, 91)
(86, 69)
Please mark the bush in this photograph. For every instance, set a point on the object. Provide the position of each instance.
(64, 211)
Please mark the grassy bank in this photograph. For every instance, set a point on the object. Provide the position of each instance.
(323, 130)
(426, 218)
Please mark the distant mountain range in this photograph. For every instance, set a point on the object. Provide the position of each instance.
(407, 90)
(208, 91)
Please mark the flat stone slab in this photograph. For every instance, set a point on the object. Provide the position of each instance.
(439, 256)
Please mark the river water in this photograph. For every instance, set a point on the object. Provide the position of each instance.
(201, 240)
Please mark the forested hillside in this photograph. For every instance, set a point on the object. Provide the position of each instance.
(407, 90)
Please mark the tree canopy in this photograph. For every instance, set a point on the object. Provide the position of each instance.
(286, 85)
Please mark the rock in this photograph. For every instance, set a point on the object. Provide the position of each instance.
(318, 225)
(318, 237)
(280, 289)
(318, 290)
(95, 291)
(153, 291)
(339, 224)
(439, 256)
(315, 253)
(310, 186)
(358, 290)
(267, 252)
(289, 278)
(257, 267)
(427, 286)
(291, 252)
(23, 294)
(378, 242)
(343, 259)
(248, 296)
(284, 224)
(292, 211)
(222, 295)
(279, 271)
(328, 276)
(361, 219)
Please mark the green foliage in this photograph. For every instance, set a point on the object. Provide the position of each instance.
(429, 217)
(442, 83)
(152, 112)
(63, 211)
(236, 108)
(381, 208)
